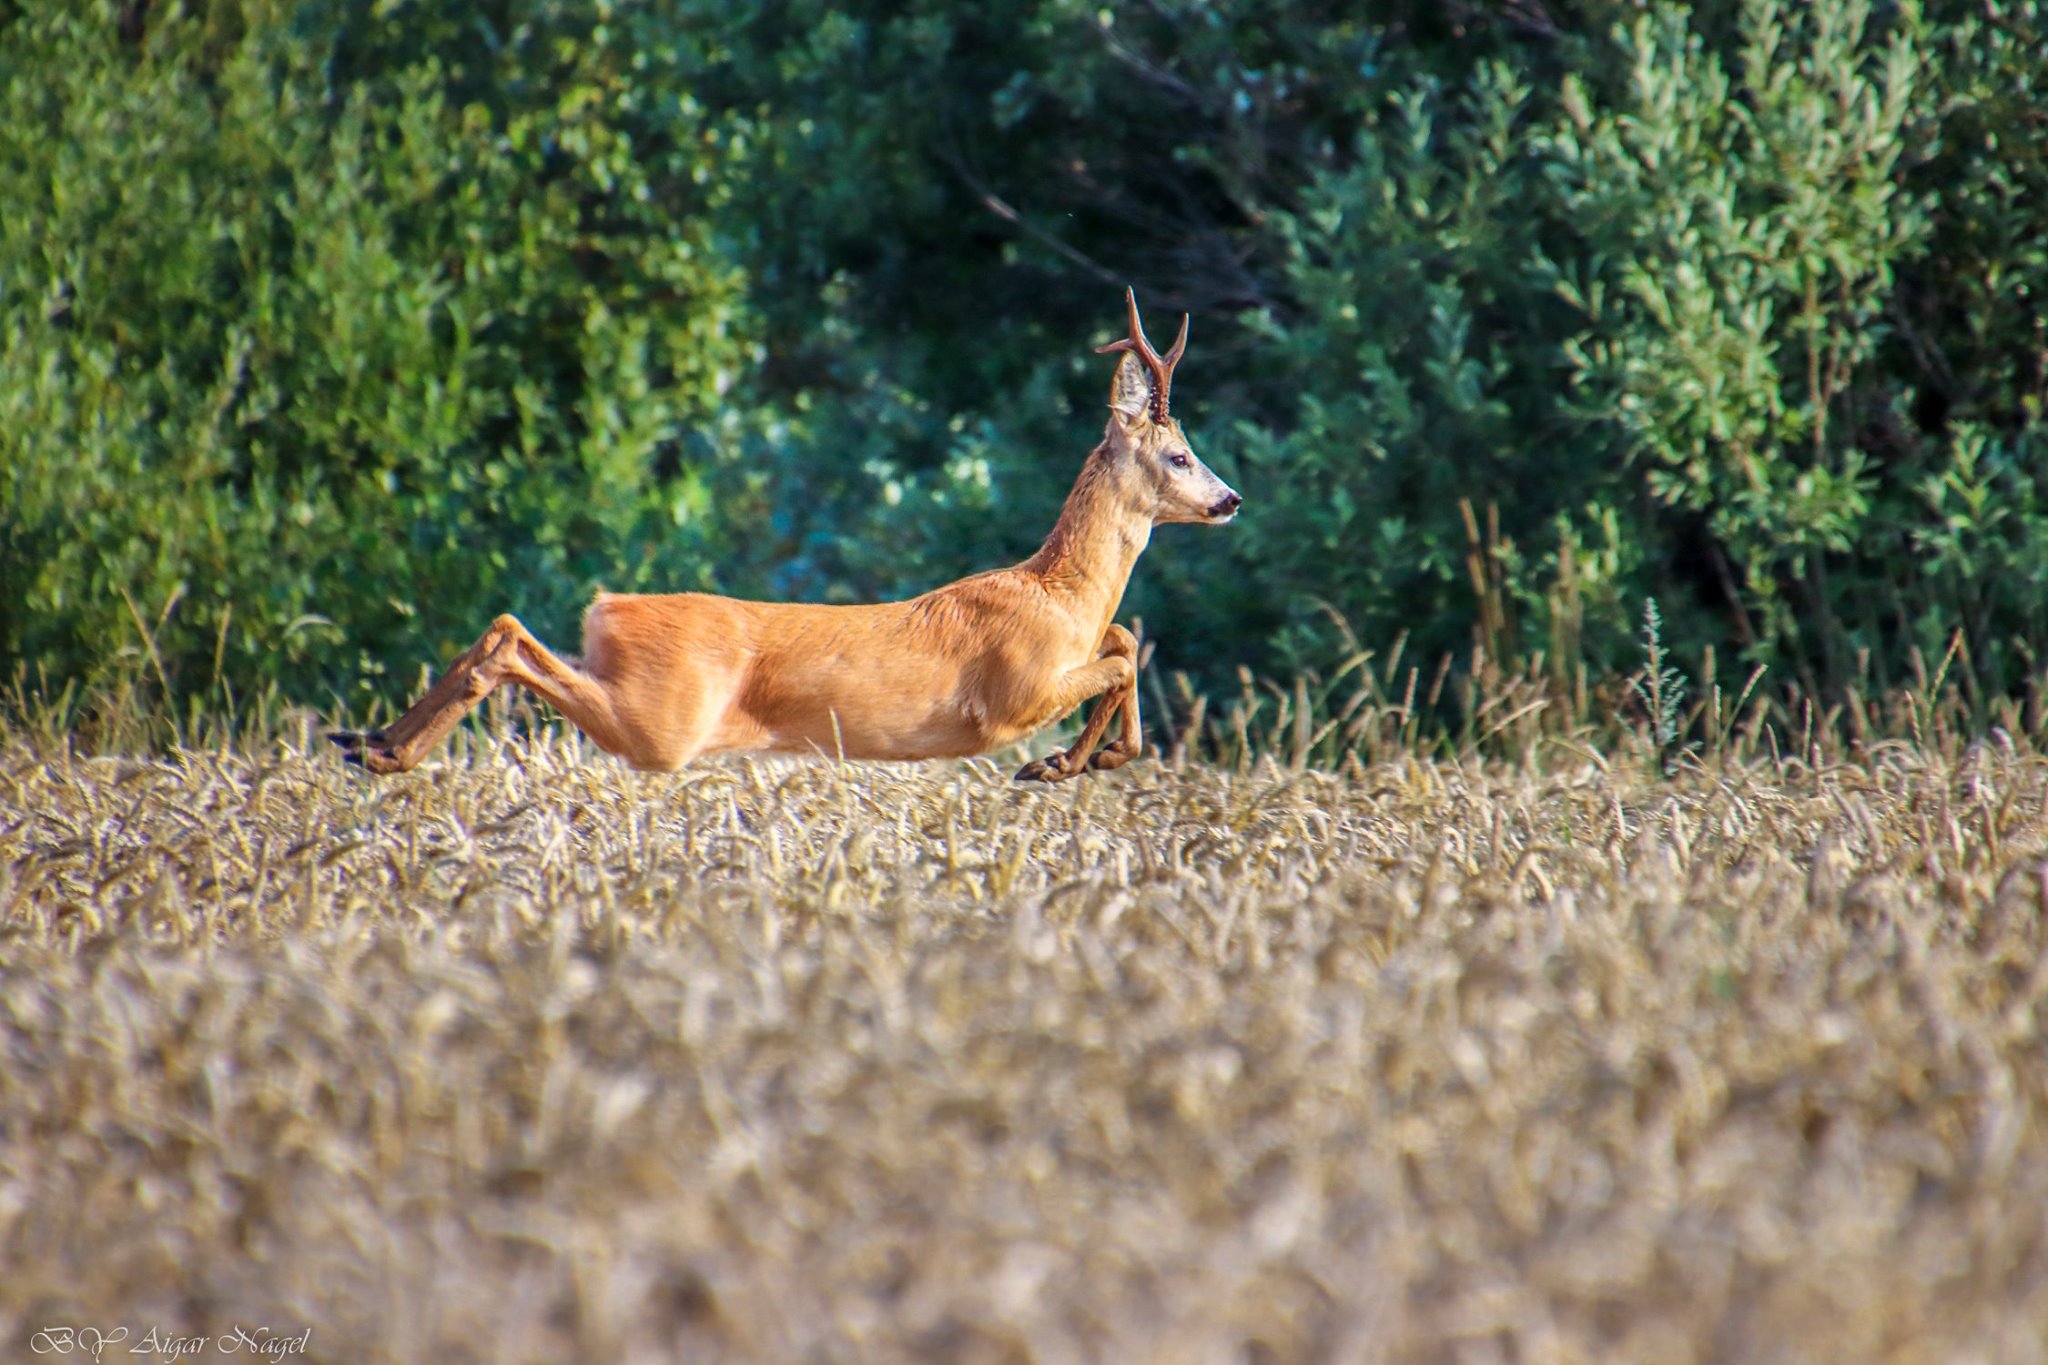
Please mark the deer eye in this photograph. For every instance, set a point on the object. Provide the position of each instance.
(1177, 460)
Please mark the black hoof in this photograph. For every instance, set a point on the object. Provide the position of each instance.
(355, 739)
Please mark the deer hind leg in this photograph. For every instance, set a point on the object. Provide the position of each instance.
(508, 652)
(1112, 675)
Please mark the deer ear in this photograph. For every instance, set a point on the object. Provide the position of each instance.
(1130, 392)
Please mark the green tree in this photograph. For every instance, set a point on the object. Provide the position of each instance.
(320, 328)
(1740, 225)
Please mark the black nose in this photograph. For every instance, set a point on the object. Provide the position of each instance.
(1230, 503)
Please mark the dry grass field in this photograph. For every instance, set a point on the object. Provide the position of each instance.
(526, 1057)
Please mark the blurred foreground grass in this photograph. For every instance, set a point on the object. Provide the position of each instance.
(528, 1058)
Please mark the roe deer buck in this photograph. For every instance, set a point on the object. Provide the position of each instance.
(965, 669)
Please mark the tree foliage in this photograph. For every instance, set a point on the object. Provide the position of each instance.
(322, 330)
(328, 329)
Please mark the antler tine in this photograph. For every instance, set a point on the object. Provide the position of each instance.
(1161, 366)
(1180, 344)
(1135, 341)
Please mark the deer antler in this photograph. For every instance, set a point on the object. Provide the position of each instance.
(1161, 366)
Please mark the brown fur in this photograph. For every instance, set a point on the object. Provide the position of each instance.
(968, 668)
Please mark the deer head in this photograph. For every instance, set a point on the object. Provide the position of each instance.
(1147, 444)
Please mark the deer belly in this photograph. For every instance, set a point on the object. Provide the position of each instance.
(851, 712)
(833, 734)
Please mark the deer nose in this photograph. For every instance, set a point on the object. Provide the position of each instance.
(1229, 503)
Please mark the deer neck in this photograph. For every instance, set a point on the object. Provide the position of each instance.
(1088, 557)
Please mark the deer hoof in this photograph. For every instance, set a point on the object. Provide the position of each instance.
(379, 760)
(367, 751)
(1042, 770)
(1110, 757)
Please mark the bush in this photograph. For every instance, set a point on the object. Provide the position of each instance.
(320, 333)
(329, 331)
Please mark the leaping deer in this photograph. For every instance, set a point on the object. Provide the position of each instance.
(965, 669)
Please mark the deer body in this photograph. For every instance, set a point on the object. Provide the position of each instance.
(974, 666)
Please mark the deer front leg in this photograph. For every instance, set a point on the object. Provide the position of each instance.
(1112, 675)
(1130, 739)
